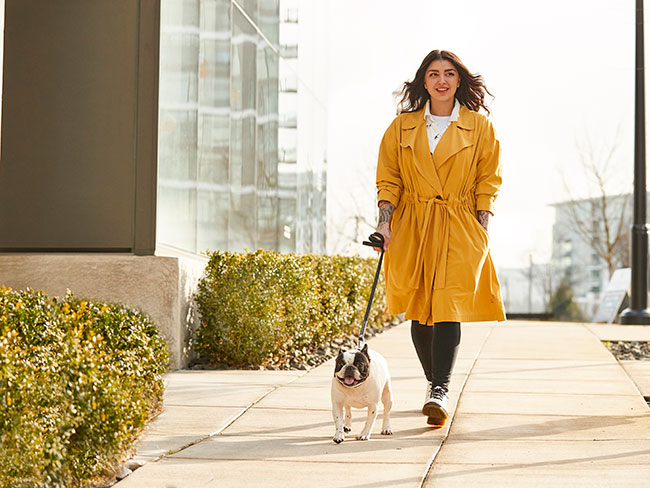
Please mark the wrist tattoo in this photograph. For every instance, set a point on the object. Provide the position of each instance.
(483, 217)
(385, 211)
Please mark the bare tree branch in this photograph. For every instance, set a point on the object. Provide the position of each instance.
(595, 219)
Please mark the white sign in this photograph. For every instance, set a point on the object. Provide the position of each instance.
(612, 299)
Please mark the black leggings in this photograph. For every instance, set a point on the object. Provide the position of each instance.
(436, 347)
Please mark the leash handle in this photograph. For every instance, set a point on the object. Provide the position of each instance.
(375, 240)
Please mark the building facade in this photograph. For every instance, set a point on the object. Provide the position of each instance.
(240, 165)
(579, 229)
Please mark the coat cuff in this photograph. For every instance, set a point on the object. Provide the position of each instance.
(387, 195)
(485, 202)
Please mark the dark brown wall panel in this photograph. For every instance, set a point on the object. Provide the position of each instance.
(70, 124)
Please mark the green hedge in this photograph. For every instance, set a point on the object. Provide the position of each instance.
(262, 307)
(78, 382)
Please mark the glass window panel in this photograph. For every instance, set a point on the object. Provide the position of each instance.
(179, 13)
(177, 145)
(178, 126)
(215, 16)
(179, 61)
(267, 221)
(214, 147)
(213, 208)
(250, 7)
(177, 207)
(214, 73)
(269, 20)
(286, 227)
(244, 63)
(241, 224)
(267, 155)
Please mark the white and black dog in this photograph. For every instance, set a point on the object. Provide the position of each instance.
(360, 380)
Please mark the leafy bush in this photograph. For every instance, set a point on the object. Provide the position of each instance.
(259, 308)
(78, 382)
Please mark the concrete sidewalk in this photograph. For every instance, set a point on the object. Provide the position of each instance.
(535, 404)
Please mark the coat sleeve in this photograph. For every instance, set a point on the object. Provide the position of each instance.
(488, 177)
(389, 181)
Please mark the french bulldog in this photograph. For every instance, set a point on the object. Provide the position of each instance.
(360, 380)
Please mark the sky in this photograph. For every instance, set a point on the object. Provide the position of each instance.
(561, 72)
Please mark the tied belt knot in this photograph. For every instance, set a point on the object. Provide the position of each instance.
(435, 229)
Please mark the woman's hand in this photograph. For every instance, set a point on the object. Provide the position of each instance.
(383, 227)
(483, 217)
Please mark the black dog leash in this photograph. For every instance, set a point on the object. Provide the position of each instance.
(375, 240)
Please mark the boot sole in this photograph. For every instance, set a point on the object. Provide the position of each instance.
(437, 415)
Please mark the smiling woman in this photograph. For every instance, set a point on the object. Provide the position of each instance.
(438, 174)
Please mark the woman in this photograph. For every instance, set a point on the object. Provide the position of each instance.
(437, 177)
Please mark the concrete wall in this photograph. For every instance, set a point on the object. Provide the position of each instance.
(159, 286)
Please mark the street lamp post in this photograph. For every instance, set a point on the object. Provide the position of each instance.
(638, 312)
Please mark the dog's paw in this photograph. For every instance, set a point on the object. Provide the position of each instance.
(339, 437)
(347, 429)
(387, 431)
(363, 437)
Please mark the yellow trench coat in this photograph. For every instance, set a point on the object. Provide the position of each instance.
(438, 265)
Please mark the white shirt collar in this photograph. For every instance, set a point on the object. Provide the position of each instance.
(452, 118)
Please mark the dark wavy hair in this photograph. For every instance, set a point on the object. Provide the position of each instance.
(470, 93)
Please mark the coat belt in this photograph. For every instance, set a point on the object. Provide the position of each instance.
(433, 264)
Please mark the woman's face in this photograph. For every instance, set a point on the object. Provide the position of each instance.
(441, 80)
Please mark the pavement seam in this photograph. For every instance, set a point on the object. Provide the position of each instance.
(230, 422)
(453, 415)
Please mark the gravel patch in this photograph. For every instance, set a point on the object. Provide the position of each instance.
(629, 350)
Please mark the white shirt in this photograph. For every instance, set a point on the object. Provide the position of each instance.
(437, 125)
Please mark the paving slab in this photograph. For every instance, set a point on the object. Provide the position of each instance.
(190, 473)
(197, 421)
(551, 427)
(551, 403)
(198, 404)
(536, 452)
(594, 386)
(545, 474)
(640, 373)
(533, 370)
(392, 449)
(544, 341)
(609, 332)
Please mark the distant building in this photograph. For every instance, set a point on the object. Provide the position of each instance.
(522, 289)
(573, 254)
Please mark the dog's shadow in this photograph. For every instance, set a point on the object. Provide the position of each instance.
(400, 436)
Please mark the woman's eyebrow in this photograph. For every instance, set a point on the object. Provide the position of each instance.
(447, 70)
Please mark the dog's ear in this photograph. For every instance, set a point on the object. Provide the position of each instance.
(364, 351)
(340, 362)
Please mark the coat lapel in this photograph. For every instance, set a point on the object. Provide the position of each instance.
(414, 136)
(457, 137)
